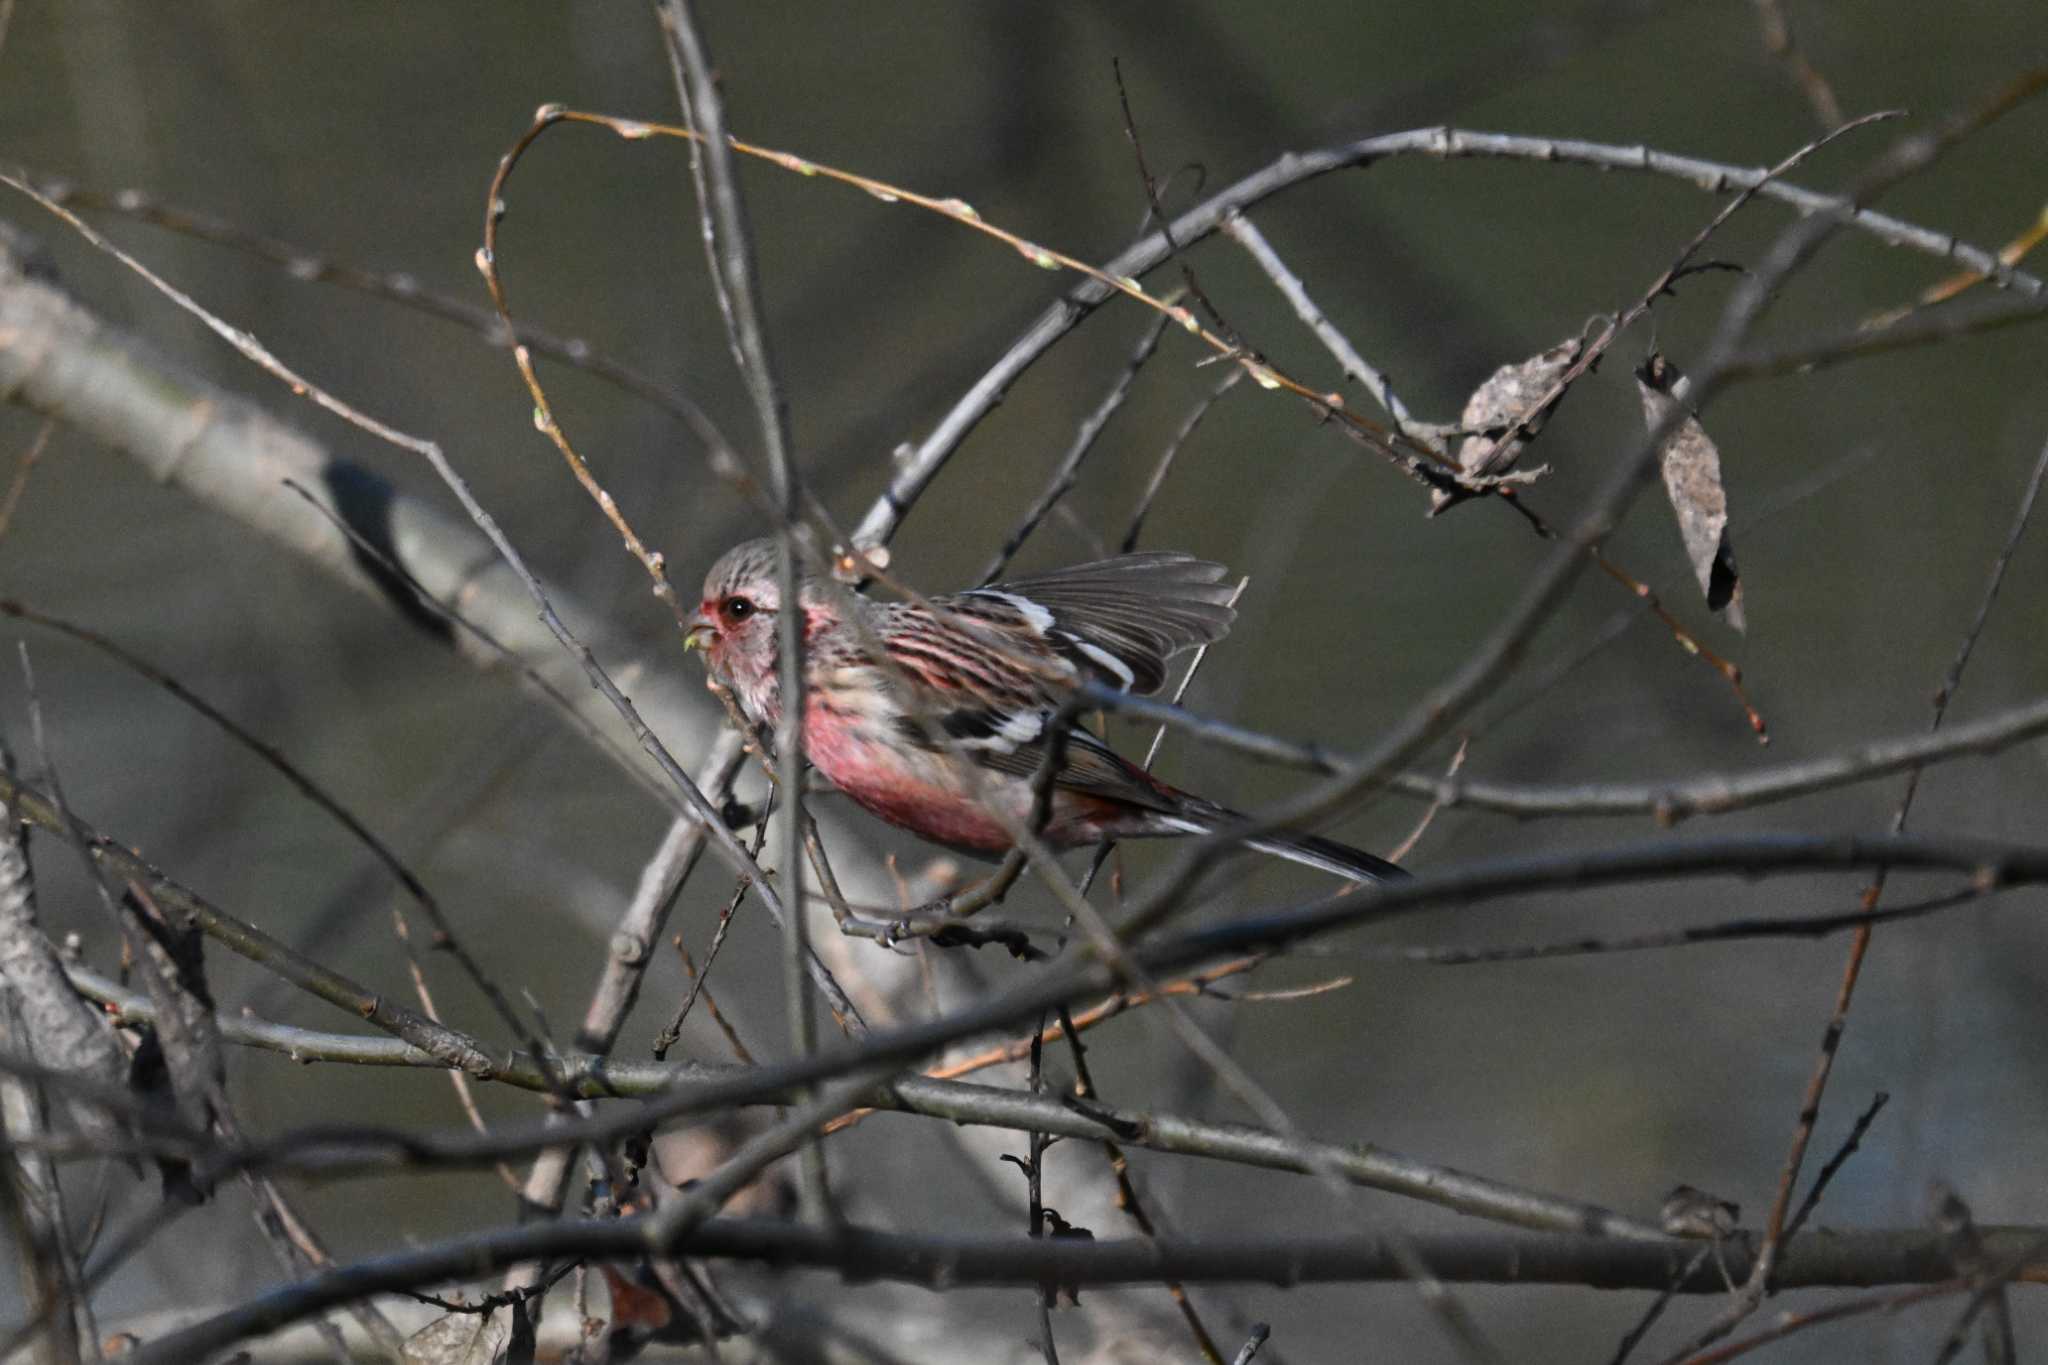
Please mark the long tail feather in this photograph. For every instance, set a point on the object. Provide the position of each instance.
(1330, 856)
(1325, 855)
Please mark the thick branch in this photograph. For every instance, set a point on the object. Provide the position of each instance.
(1892, 1256)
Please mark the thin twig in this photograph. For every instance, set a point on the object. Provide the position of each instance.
(1621, 620)
(1034, 1214)
(1127, 1191)
(1158, 213)
(18, 485)
(441, 611)
(729, 242)
(1241, 230)
(1858, 343)
(668, 1037)
(1496, 653)
(1722, 931)
(249, 347)
(1101, 1012)
(1069, 468)
(465, 1098)
(1667, 801)
(1791, 1324)
(304, 783)
(1577, 870)
(1902, 162)
(1835, 1164)
(1781, 43)
(640, 927)
(916, 472)
(1809, 1108)
(741, 1053)
(334, 1153)
(1167, 457)
(1633, 1337)
(1399, 853)
(631, 950)
(398, 287)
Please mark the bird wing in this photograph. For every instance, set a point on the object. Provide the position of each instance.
(991, 667)
(985, 675)
(1116, 620)
(1087, 765)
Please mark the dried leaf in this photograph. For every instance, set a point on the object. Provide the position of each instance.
(663, 1301)
(57, 1027)
(459, 1339)
(1510, 401)
(170, 959)
(638, 1308)
(180, 1059)
(521, 1344)
(1692, 478)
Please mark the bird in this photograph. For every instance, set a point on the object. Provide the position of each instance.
(937, 714)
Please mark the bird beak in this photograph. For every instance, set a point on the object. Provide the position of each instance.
(699, 634)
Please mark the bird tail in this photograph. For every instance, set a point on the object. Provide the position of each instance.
(1325, 855)
(1328, 855)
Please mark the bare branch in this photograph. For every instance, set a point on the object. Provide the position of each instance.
(1668, 802)
(1366, 1165)
(915, 473)
(1896, 1257)
(396, 287)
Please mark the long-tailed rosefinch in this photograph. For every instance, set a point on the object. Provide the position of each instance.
(986, 671)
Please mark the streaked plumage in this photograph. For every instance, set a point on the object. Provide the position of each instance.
(956, 721)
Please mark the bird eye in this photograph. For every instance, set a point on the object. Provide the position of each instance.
(737, 608)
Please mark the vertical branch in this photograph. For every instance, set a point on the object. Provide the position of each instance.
(1034, 1173)
(1127, 1191)
(32, 1203)
(1069, 469)
(25, 467)
(1158, 213)
(730, 243)
(1170, 454)
(728, 237)
(1783, 44)
(640, 928)
(632, 947)
(1859, 946)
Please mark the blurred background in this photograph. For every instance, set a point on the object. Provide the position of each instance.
(1867, 503)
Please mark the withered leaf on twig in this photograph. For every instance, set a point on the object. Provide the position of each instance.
(170, 959)
(459, 1339)
(46, 1019)
(181, 1058)
(1505, 412)
(1692, 478)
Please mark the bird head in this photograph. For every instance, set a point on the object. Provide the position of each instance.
(735, 622)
